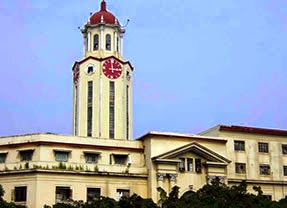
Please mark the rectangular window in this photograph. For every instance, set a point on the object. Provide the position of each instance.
(121, 159)
(122, 193)
(93, 194)
(118, 44)
(63, 193)
(76, 110)
(90, 109)
(20, 194)
(189, 164)
(264, 169)
(62, 156)
(284, 149)
(108, 42)
(26, 155)
(182, 164)
(198, 165)
(240, 168)
(127, 109)
(112, 111)
(263, 147)
(96, 42)
(285, 170)
(3, 157)
(239, 145)
(268, 197)
(91, 157)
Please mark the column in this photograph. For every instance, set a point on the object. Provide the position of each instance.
(160, 178)
(172, 181)
(89, 41)
(102, 38)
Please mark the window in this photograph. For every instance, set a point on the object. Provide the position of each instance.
(240, 168)
(90, 109)
(76, 110)
(284, 148)
(263, 147)
(93, 194)
(268, 197)
(3, 157)
(96, 42)
(90, 70)
(198, 165)
(118, 44)
(189, 164)
(63, 193)
(91, 157)
(264, 169)
(182, 164)
(121, 159)
(128, 76)
(239, 145)
(112, 111)
(108, 42)
(285, 170)
(26, 155)
(123, 193)
(20, 194)
(61, 156)
(127, 109)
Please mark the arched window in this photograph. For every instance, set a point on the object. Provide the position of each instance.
(118, 44)
(96, 42)
(108, 42)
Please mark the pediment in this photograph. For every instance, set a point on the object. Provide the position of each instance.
(200, 150)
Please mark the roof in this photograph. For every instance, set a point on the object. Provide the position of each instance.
(244, 129)
(253, 130)
(180, 135)
(192, 147)
(103, 16)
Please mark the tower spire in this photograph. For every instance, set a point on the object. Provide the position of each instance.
(103, 5)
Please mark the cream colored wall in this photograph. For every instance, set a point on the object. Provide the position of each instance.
(253, 159)
(101, 90)
(10, 182)
(41, 187)
(102, 31)
(41, 184)
(101, 102)
(157, 145)
(45, 154)
(185, 179)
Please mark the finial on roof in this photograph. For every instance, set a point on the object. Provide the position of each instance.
(103, 5)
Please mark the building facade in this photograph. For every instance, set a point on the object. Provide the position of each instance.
(100, 158)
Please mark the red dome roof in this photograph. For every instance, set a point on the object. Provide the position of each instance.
(103, 16)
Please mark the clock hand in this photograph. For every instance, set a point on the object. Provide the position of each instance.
(112, 68)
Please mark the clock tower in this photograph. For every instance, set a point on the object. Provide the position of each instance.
(102, 81)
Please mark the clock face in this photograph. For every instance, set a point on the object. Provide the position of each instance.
(112, 68)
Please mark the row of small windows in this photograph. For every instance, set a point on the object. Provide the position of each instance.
(63, 156)
(187, 165)
(64, 193)
(264, 169)
(262, 147)
(108, 43)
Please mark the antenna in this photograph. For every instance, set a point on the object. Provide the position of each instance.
(128, 20)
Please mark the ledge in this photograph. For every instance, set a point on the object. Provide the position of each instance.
(71, 172)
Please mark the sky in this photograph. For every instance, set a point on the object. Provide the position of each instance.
(197, 63)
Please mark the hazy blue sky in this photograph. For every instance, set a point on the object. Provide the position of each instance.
(198, 63)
